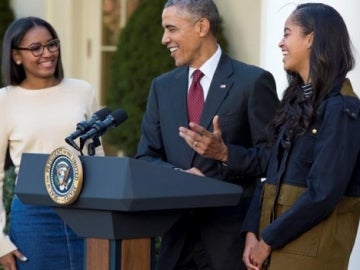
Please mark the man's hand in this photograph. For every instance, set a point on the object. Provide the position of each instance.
(205, 143)
(195, 171)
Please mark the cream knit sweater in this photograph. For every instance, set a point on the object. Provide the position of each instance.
(38, 121)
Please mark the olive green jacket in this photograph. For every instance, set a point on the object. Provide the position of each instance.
(327, 246)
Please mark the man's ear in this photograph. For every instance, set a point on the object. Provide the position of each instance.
(204, 25)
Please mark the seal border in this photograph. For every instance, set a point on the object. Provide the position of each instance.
(78, 175)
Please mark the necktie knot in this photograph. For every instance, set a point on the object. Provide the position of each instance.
(197, 75)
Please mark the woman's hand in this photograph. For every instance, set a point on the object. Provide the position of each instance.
(251, 242)
(259, 254)
(8, 260)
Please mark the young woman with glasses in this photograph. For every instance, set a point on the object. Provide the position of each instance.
(39, 108)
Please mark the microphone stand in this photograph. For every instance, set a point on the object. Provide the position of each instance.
(72, 143)
(91, 146)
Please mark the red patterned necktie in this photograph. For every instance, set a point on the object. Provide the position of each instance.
(195, 100)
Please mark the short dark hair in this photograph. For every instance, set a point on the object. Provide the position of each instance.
(13, 74)
(199, 9)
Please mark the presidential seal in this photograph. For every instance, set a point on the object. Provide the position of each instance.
(63, 176)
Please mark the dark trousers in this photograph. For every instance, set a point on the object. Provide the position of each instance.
(193, 255)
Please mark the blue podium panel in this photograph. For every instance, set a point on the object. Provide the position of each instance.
(123, 197)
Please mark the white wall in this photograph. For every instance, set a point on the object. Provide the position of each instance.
(274, 15)
(31, 8)
(241, 21)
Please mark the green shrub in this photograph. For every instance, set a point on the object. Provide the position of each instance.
(8, 190)
(139, 58)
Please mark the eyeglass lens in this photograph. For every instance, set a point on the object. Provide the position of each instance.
(38, 49)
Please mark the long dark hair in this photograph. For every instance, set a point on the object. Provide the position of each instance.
(331, 58)
(13, 74)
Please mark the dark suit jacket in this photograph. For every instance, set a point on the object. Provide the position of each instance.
(245, 99)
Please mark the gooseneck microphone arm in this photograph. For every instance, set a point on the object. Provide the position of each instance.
(84, 126)
(100, 127)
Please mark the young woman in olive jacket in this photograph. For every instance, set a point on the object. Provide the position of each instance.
(308, 207)
(306, 214)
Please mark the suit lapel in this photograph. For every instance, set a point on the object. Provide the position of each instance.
(220, 86)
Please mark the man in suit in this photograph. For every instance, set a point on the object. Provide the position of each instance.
(244, 99)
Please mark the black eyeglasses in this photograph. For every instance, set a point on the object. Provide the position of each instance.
(38, 49)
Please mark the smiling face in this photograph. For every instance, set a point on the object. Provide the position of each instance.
(37, 67)
(296, 47)
(183, 36)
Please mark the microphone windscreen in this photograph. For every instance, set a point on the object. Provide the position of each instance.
(103, 113)
(119, 116)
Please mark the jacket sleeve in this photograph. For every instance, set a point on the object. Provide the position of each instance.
(150, 147)
(262, 105)
(252, 218)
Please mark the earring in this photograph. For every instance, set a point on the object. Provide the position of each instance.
(18, 62)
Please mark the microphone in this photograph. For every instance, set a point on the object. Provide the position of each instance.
(99, 127)
(84, 126)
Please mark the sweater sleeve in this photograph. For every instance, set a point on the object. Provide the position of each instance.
(6, 245)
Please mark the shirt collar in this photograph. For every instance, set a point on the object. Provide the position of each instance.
(209, 67)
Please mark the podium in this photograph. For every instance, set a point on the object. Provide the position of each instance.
(124, 199)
